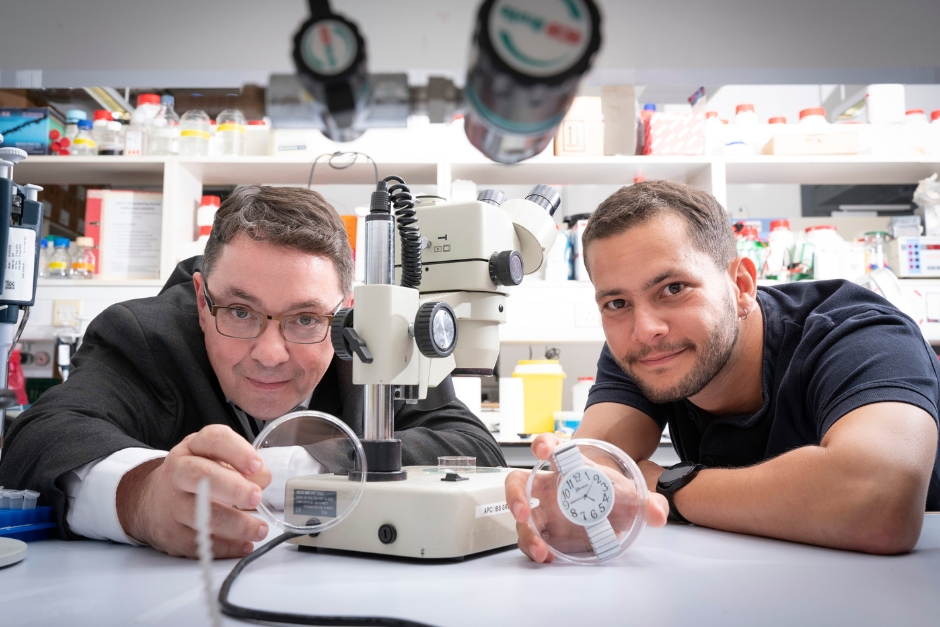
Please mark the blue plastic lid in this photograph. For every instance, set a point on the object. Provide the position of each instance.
(167, 100)
(73, 115)
(44, 243)
(649, 106)
(85, 125)
(61, 241)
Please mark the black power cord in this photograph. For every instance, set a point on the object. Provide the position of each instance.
(403, 202)
(341, 166)
(246, 613)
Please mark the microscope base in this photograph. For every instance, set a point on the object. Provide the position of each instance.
(422, 517)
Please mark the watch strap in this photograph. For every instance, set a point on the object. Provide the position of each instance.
(603, 540)
(568, 459)
(674, 486)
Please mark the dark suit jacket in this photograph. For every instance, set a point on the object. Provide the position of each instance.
(142, 378)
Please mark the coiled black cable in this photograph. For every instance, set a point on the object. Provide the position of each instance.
(403, 202)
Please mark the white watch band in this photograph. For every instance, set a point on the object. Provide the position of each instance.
(568, 459)
(603, 540)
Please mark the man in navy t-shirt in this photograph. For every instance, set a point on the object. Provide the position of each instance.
(806, 411)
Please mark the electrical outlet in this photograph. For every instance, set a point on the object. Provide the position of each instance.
(65, 313)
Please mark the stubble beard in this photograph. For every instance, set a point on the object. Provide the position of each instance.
(713, 357)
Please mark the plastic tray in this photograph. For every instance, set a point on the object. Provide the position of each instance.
(26, 524)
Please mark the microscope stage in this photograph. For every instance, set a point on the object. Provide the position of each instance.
(424, 516)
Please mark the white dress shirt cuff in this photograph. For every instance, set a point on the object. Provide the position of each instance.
(92, 494)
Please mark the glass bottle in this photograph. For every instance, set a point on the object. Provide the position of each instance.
(230, 130)
(84, 143)
(60, 263)
(83, 261)
(194, 134)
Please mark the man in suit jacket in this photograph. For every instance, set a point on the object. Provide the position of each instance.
(170, 389)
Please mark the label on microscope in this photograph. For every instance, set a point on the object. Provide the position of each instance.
(498, 508)
(315, 503)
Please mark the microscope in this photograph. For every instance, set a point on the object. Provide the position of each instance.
(454, 268)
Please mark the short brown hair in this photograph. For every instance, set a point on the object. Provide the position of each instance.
(293, 217)
(707, 223)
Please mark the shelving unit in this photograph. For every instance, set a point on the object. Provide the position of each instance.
(425, 161)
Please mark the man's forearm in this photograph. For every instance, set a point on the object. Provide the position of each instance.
(808, 496)
(130, 497)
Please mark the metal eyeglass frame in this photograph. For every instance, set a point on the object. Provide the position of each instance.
(213, 309)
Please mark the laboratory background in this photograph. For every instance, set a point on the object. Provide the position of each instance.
(125, 126)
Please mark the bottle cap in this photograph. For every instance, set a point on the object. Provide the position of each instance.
(210, 200)
(812, 111)
(935, 115)
(103, 114)
(779, 224)
(744, 107)
(820, 227)
(585, 378)
(914, 112)
(649, 106)
(85, 125)
(148, 99)
(256, 122)
(711, 114)
(85, 241)
(777, 120)
(74, 115)
(54, 134)
(65, 142)
(44, 243)
(61, 241)
(167, 100)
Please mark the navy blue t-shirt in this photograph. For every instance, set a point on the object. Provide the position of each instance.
(829, 347)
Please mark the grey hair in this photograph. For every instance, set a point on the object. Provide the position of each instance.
(292, 217)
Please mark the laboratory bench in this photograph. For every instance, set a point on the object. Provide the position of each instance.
(679, 575)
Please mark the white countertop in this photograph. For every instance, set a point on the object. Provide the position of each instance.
(674, 576)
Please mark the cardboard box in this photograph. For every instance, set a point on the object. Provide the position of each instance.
(30, 129)
(675, 134)
(582, 131)
(844, 143)
(619, 107)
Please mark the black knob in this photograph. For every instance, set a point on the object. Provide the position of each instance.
(342, 320)
(506, 268)
(387, 534)
(436, 330)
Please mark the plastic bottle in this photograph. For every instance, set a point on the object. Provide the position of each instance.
(60, 263)
(84, 143)
(137, 135)
(165, 136)
(72, 118)
(205, 216)
(777, 120)
(83, 261)
(744, 114)
(781, 250)
(814, 116)
(101, 119)
(935, 117)
(915, 116)
(44, 259)
(579, 393)
(714, 134)
(230, 129)
(194, 134)
(112, 139)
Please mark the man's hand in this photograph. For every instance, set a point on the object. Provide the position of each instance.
(534, 546)
(156, 502)
(651, 472)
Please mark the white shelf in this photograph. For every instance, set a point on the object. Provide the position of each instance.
(583, 170)
(828, 170)
(96, 283)
(91, 171)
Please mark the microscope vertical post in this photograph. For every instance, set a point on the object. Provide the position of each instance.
(379, 422)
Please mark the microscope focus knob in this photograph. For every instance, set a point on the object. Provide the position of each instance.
(436, 330)
(506, 268)
(342, 320)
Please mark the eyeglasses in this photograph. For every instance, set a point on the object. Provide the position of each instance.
(245, 324)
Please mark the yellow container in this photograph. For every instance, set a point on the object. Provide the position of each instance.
(541, 391)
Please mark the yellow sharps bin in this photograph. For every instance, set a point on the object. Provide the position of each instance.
(541, 390)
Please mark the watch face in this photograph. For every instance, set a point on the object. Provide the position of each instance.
(585, 496)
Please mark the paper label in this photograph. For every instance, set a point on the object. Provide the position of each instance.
(315, 503)
(499, 508)
(20, 265)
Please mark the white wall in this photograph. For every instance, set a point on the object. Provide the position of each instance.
(230, 42)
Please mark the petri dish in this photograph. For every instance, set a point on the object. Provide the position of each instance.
(588, 501)
(311, 456)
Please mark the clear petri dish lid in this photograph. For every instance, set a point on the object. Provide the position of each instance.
(588, 501)
(312, 457)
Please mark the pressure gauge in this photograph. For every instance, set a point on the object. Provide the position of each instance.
(589, 501)
(436, 330)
